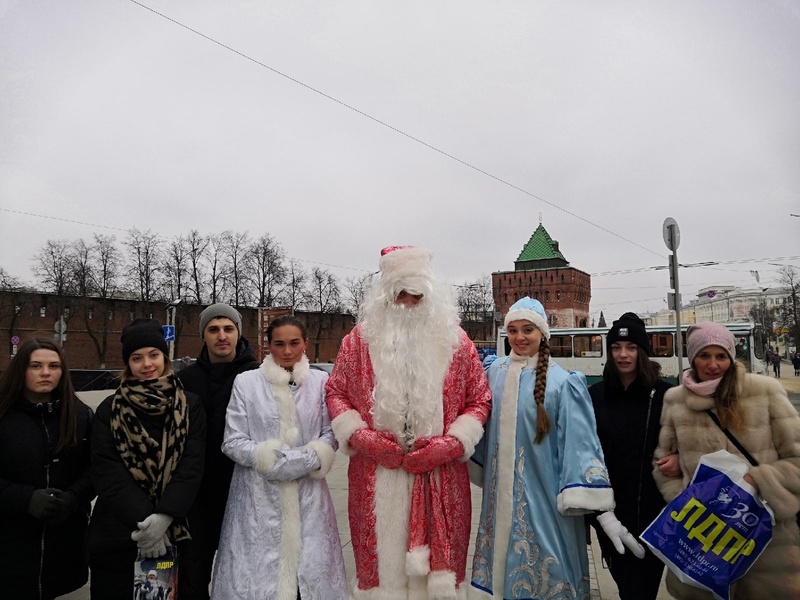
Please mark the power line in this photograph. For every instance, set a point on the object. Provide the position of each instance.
(392, 127)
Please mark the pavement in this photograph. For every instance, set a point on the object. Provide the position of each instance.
(603, 586)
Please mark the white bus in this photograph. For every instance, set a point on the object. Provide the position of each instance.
(584, 349)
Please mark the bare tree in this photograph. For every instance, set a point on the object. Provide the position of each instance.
(144, 264)
(215, 258)
(196, 247)
(764, 316)
(476, 306)
(174, 266)
(11, 304)
(79, 262)
(324, 300)
(53, 267)
(294, 293)
(8, 282)
(237, 247)
(266, 259)
(105, 266)
(788, 313)
(355, 290)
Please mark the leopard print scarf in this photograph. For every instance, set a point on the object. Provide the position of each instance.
(151, 462)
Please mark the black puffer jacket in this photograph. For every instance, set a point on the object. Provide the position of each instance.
(628, 422)
(213, 382)
(37, 559)
(121, 502)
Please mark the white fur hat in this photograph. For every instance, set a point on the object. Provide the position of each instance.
(530, 310)
(405, 263)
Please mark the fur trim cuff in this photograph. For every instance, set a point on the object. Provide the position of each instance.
(265, 455)
(345, 425)
(442, 585)
(574, 501)
(326, 458)
(467, 430)
(418, 561)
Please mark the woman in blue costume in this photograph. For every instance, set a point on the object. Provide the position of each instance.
(541, 468)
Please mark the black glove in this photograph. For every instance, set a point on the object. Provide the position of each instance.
(44, 505)
(70, 503)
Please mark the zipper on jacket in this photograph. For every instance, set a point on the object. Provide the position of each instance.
(641, 465)
(47, 485)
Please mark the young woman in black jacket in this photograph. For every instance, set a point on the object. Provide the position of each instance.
(45, 485)
(627, 407)
(148, 447)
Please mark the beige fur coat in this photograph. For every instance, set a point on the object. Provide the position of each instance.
(772, 436)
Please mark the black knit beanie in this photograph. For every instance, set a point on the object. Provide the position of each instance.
(629, 328)
(142, 333)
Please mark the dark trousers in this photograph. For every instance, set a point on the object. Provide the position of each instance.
(111, 574)
(636, 579)
(195, 560)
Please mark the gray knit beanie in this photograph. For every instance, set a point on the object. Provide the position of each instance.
(220, 310)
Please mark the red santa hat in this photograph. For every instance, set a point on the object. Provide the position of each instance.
(404, 266)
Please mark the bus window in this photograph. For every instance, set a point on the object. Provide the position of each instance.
(743, 351)
(560, 346)
(758, 342)
(588, 346)
(661, 343)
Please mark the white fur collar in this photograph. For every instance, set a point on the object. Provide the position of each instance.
(277, 375)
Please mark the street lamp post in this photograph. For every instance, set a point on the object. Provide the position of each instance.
(171, 308)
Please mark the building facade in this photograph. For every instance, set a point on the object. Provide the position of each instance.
(89, 329)
(542, 272)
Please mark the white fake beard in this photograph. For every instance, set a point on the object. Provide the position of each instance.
(410, 349)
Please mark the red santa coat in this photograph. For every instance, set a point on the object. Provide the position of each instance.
(380, 500)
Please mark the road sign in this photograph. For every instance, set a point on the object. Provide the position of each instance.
(711, 293)
(672, 234)
(169, 332)
(15, 339)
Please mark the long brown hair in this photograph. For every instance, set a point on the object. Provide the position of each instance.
(542, 418)
(12, 387)
(726, 397)
(648, 372)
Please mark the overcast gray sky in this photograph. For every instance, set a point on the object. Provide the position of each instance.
(620, 113)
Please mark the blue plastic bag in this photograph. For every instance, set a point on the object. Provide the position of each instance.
(713, 532)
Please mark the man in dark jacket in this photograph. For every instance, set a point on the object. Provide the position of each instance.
(225, 354)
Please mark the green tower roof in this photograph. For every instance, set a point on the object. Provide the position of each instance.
(540, 247)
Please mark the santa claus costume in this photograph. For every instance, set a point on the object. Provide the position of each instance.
(408, 399)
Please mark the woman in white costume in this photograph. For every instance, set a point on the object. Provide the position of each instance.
(279, 536)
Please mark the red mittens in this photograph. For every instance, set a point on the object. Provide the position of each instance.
(432, 452)
(379, 446)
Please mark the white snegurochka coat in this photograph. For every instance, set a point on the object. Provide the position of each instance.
(279, 530)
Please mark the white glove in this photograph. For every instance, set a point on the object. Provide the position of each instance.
(151, 530)
(156, 550)
(618, 535)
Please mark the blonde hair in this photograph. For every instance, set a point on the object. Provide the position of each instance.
(726, 399)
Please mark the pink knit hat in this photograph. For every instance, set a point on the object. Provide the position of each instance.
(704, 335)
